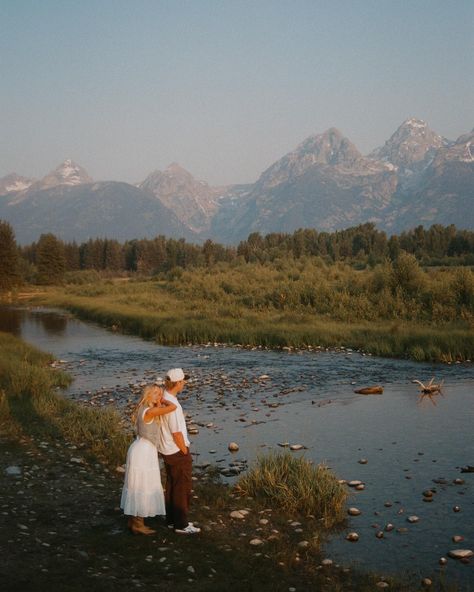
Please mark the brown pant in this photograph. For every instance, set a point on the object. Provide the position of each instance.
(178, 487)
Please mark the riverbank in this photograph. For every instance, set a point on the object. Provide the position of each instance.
(64, 530)
(151, 310)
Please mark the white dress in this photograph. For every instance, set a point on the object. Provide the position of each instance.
(142, 493)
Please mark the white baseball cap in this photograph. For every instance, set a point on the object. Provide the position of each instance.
(176, 374)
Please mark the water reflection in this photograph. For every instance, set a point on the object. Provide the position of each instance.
(429, 397)
(53, 324)
(10, 321)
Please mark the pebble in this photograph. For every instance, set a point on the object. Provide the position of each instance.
(256, 542)
(381, 585)
(379, 534)
(426, 582)
(363, 461)
(413, 519)
(239, 514)
(296, 447)
(360, 487)
(442, 561)
(457, 538)
(354, 512)
(389, 527)
(354, 483)
(456, 509)
(13, 471)
(303, 544)
(233, 447)
(327, 562)
(353, 537)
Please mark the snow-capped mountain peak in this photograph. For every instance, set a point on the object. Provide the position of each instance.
(412, 146)
(67, 173)
(13, 183)
(71, 173)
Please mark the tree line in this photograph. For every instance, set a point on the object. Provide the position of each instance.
(48, 260)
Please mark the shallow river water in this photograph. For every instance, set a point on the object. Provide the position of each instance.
(262, 399)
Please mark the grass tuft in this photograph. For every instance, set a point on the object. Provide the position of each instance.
(296, 485)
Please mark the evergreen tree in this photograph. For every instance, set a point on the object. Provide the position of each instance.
(51, 260)
(9, 260)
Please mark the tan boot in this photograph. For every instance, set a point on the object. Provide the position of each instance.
(137, 526)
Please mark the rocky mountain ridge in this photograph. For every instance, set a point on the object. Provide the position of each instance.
(194, 202)
(416, 177)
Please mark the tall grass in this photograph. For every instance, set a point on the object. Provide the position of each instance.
(31, 405)
(295, 485)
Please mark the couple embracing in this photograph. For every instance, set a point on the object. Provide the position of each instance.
(160, 426)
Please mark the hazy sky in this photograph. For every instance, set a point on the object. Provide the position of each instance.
(224, 87)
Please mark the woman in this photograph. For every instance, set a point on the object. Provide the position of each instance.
(142, 493)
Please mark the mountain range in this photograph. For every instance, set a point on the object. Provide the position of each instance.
(416, 177)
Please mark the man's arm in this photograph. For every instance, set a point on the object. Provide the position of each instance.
(179, 441)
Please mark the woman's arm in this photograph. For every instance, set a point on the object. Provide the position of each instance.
(167, 407)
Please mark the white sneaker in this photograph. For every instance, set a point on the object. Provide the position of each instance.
(190, 529)
(171, 526)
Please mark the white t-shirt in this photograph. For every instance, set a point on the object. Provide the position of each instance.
(170, 424)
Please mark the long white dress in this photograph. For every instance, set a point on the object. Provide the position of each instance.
(142, 493)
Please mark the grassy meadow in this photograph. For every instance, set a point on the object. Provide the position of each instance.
(393, 309)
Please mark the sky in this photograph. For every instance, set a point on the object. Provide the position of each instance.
(223, 87)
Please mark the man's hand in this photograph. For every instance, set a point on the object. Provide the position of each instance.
(179, 441)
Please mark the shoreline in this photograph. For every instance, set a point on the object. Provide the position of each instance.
(268, 331)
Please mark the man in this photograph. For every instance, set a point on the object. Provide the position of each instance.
(174, 448)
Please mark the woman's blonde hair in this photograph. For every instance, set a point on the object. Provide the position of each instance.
(147, 391)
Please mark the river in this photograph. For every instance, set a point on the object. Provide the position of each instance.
(262, 399)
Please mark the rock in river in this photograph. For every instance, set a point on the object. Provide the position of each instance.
(354, 512)
(461, 553)
(413, 519)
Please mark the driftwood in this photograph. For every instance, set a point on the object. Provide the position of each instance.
(370, 390)
(431, 387)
